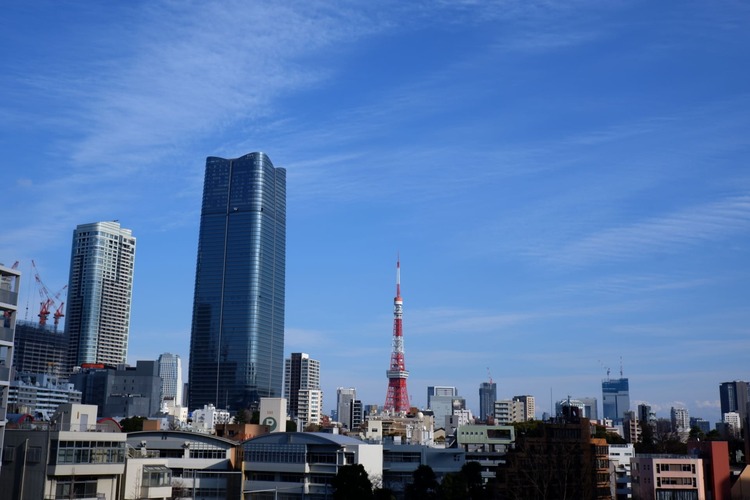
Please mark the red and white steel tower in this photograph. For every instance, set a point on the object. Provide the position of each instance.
(397, 399)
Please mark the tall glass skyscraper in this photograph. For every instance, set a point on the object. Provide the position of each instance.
(237, 337)
(97, 317)
(615, 398)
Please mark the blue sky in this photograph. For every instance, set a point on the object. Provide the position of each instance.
(567, 183)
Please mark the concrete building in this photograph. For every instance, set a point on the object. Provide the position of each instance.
(562, 460)
(73, 458)
(202, 466)
(301, 375)
(562, 406)
(122, 391)
(716, 472)
(508, 411)
(40, 395)
(445, 406)
(303, 464)
(529, 404)
(590, 408)
(667, 476)
(487, 398)
(309, 407)
(207, 418)
(703, 425)
(680, 421)
(733, 420)
(401, 460)
(170, 372)
(10, 282)
(615, 399)
(237, 335)
(345, 396)
(439, 390)
(97, 317)
(40, 349)
(485, 444)
(619, 459)
(415, 429)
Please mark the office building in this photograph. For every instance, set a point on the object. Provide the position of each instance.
(645, 414)
(122, 391)
(487, 398)
(170, 371)
(529, 406)
(10, 281)
(237, 335)
(97, 318)
(40, 349)
(345, 398)
(590, 410)
(439, 390)
(733, 396)
(734, 423)
(615, 399)
(569, 408)
(300, 374)
(700, 423)
(445, 406)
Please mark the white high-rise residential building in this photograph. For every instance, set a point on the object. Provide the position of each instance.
(507, 411)
(300, 374)
(345, 397)
(734, 420)
(170, 371)
(529, 404)
(100, 294)
(309, 406)
(680, 420)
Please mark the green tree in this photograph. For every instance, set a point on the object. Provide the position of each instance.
(383, 494)
(472, 473)
(132, 424)
(453, 487)
(243, 416)
(424, 484)
(291, 426)
(351, 481)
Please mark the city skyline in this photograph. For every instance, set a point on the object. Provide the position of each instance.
(564, 182)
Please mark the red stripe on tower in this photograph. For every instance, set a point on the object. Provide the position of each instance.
(397, 399)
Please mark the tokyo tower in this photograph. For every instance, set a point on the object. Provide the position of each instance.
(397, 399)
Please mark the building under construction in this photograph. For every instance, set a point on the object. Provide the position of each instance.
(40, 349)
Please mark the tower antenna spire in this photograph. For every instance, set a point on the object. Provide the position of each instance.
(397, 398)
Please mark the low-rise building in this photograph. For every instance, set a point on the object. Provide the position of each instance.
(486, 444)
(303, 464)
(667, 476)
(40, 395)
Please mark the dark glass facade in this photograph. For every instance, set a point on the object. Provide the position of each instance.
(615, 399)
(237, 337)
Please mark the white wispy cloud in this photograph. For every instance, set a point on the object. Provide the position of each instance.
(668, 233)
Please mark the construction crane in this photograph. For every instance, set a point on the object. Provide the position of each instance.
(489, 375)
(48, 299)
(605, 367)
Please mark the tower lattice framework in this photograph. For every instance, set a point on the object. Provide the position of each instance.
(397, 398)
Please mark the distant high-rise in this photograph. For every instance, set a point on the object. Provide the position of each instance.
(680, 419)
(40, 349)
(170, 371)
(439, 390)
(529, 406)
(99, 294)
(237, 336)
(300, 374)
(615, 398)
(733, 397)
(487, 398)
(345, 397)
(590, 408)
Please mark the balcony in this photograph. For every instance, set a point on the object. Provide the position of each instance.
(4, 374)
(6, 334)
(8, 297)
